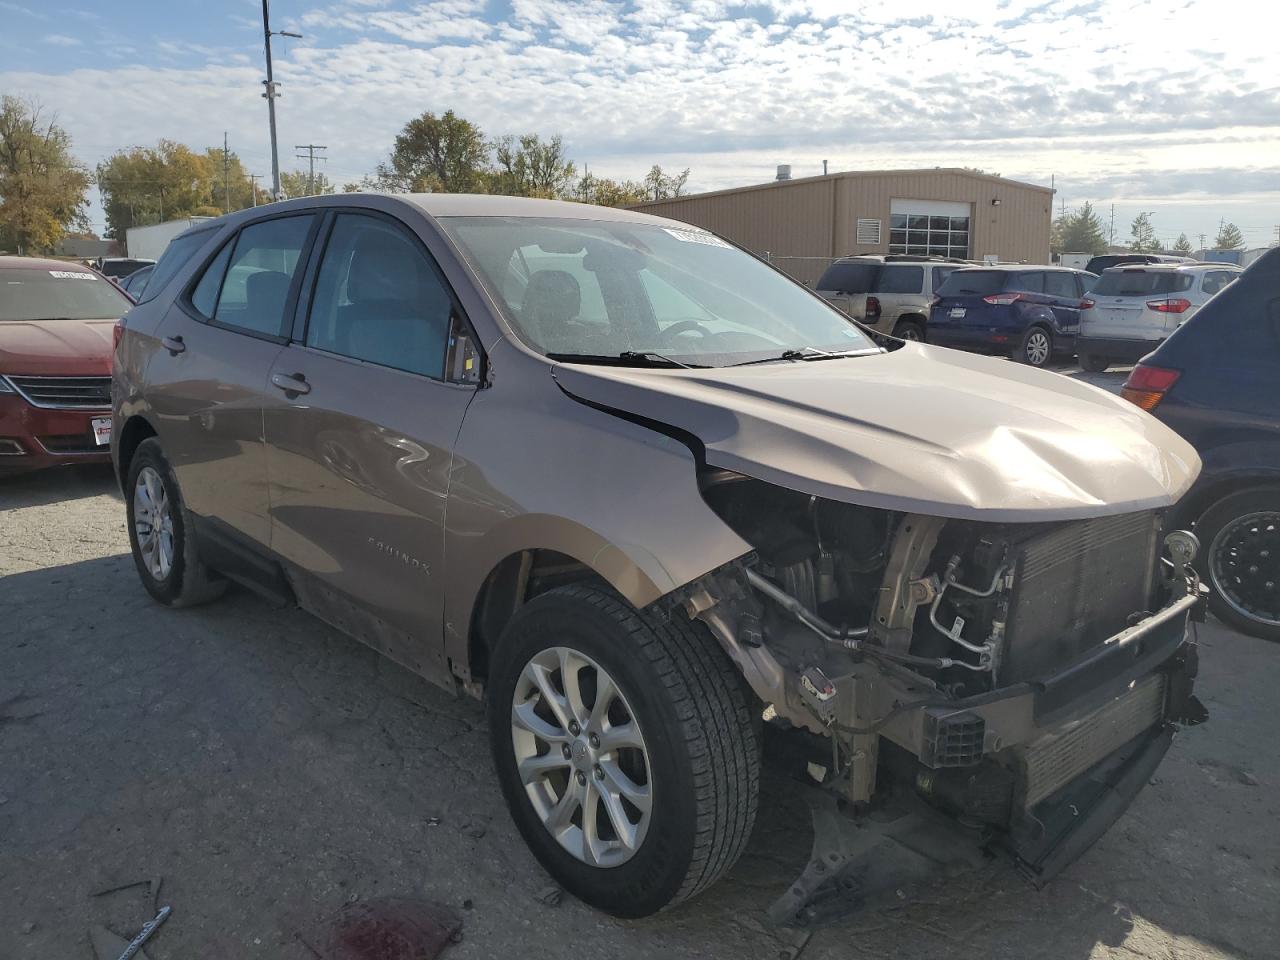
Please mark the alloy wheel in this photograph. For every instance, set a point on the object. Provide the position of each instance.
(1037, 348)
(153, 523)
(581, 757)
(1243, 562)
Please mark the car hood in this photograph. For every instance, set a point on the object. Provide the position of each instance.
(922, 429)
(56, 347)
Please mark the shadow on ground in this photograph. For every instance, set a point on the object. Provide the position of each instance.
(57, 485)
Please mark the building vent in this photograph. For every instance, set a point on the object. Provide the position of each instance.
(784, 171)
(869, 232)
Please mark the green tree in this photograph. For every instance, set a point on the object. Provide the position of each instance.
(1229, 237)
(609, 193)
(145, 185)
(298, 183)
(445, 154)
(1144, 235)
(42, 187)
(528, 166)
(228, 172)
(1080, 231)
(661, 186)
(1182, 244)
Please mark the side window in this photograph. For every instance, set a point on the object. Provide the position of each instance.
(259, 271)
(379, 298)
(1026, 282)
(175, 257)
(900, 280)
(1061, 284)
(1215, 280)
(205, 296)
(940, 274)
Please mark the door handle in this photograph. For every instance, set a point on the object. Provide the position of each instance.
(174, 345)
(291, 383)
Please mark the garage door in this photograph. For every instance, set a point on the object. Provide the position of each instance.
(937, 228)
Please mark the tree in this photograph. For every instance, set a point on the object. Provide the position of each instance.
(1182, 244)
(42, 187)
(146, 185)
(661, 186)
(298, 183)
(609, 193)
(1144, 235)
(1081, 232)
(444, 154)
(1229, 237)
(227, 172)
(531, 167)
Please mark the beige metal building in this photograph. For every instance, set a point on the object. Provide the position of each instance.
(803, 224)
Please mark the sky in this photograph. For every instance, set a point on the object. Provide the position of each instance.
(1167, 106)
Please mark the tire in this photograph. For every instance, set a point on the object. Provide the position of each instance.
(1092, 363)
(1036, 348)
(1233, 533)
(700, 762)
(909, 330)
(182, 581)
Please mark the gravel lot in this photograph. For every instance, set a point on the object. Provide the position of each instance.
(271, 770)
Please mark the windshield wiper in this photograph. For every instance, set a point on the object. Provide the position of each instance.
(809, 354)
(641, 357)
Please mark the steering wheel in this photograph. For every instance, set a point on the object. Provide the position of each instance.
(684, 326)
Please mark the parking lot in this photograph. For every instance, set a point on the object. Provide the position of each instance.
(270, 770)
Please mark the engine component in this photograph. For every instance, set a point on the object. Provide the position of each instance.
(905, 587)
(952, 739)
(819, 694)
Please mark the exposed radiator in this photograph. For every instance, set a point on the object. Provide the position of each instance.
(1055, 759)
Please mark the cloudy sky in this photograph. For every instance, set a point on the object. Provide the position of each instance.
(1171, 106)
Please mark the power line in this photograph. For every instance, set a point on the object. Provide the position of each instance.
(311, 158)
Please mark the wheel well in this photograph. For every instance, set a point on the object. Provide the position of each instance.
(912, 318)
(509, 586)
(136, 429)
(1193, 509)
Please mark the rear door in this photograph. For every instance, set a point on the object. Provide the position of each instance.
(364, 408)
(206, 384)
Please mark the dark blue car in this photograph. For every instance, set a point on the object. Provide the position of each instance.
(1028, 313)
(1216, 381)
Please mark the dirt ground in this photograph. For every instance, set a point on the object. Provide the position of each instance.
(271, 771)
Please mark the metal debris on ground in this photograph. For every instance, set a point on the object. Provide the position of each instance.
(550, 895)
(145, 933)
(393, 928)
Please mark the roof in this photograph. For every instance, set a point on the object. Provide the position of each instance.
(488, 205)
(854, 175)
(42, 263)
(1173, 267)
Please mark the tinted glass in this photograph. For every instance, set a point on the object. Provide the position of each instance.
(379, 299)
(963, 283)
(1061, 285)
(175, 257)
(205, 296)
(589, 288)
(1142, 283)
(1026, 281)
(256, 285)
(900, 280)
(1215, 280)
(122, 268)
(849, 277)
(940, 274)
(29, 294)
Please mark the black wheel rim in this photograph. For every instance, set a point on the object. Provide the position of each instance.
(1244, 565)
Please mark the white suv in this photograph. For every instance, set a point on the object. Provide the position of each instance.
(1133, 308)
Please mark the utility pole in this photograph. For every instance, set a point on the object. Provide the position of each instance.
(1202, 246)
(311, 158)
(1111, 238)
(253, 186)
(1278, 234)
(272, 91)
(226, 174)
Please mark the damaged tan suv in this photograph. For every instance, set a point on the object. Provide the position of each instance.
(647, 496)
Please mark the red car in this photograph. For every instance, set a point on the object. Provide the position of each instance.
(56, 323)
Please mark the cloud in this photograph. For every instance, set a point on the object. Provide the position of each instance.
(61, 40)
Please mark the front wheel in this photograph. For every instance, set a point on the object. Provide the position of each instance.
(1092, 363)
(1037, 347)
(1240, 558)
(625, 748)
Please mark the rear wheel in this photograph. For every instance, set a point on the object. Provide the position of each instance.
(1036, 348)
(161, 534)
(1240, 559)
(625, 749)
(1092, 363)
(909, 330)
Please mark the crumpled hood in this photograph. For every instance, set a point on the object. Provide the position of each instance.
(922, 429)
(56, 347)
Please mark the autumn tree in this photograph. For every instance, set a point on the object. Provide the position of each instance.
(42, 187)
(1182, 245)
(609, 193)
(229, 181)
(145, 185)
(1144, 235)
(662, 186)
(299, 183)
(1229, 237)
(444, 154)
(529, 166)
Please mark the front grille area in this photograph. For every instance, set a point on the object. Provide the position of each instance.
(1074, 587)
(65, 392)
(1055, 759)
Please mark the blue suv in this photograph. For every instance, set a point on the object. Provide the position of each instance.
(1029, 313)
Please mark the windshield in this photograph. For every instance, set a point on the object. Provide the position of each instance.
(590, 288)
(27, 294)
(972, 282)
(1141, 283)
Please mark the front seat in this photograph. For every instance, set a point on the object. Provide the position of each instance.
(265, 293)
(551, 302)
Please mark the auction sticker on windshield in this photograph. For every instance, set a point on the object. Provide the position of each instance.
(690, 236)
(71, 275)
(101, 430)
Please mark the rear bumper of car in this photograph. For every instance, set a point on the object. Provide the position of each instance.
(1116, 348)
(32, 438)
(985, 341)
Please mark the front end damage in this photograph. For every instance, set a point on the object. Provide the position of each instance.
(983, 686)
